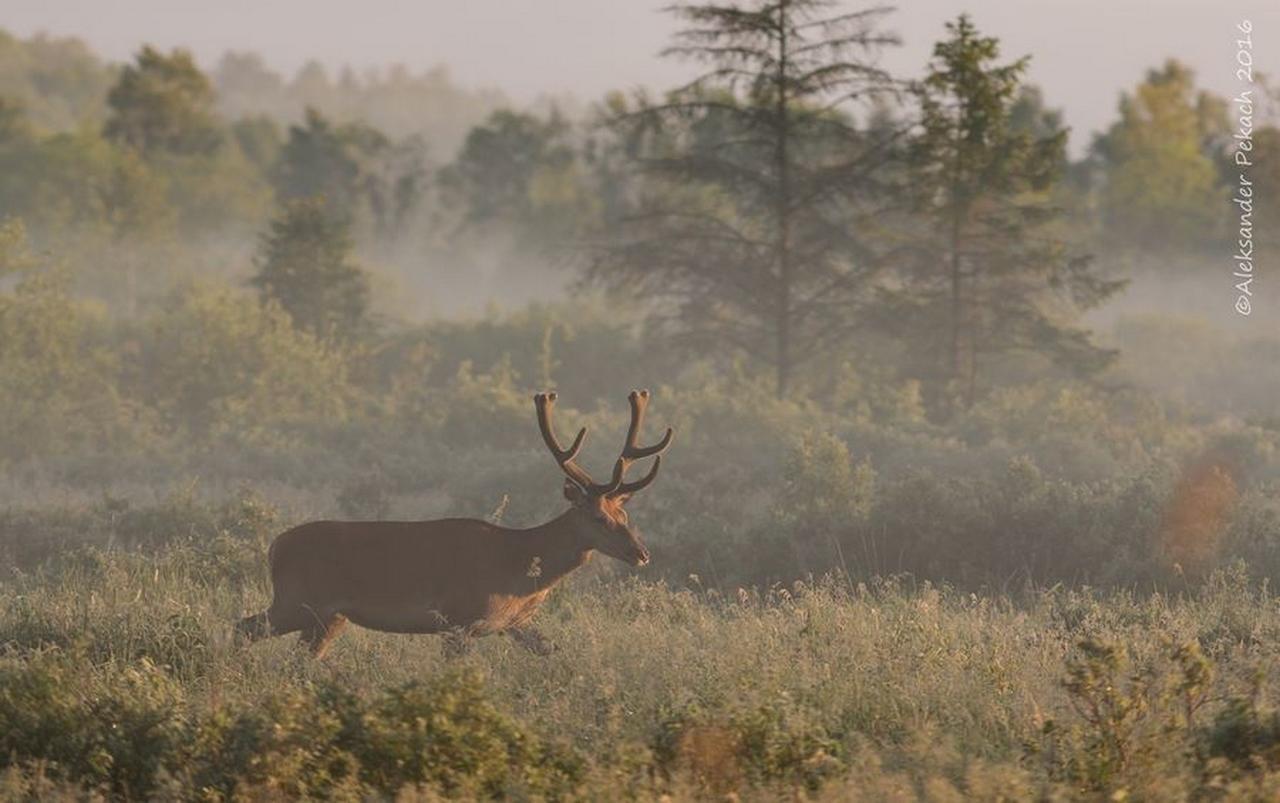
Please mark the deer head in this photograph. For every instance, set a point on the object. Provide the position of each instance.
(598, 514)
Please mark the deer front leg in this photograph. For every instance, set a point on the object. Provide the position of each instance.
(531, 640)
(321, 634)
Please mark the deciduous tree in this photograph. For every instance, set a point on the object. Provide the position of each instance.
(1161, 186)
(517, 171)
(163, 104)
(354, 167)
(305, 264)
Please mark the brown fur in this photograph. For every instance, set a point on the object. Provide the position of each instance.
(414, 577)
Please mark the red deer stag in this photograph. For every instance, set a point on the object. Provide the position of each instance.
(457, 577)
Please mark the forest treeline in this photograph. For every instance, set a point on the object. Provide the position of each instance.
(863, 302)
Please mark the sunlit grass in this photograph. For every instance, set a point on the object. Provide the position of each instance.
(829, 688)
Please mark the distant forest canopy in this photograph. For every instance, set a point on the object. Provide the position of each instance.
(62, 84)
(769, 212)
(456, 199)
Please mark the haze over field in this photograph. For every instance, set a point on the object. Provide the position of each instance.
(971, 363)
(1086, 51)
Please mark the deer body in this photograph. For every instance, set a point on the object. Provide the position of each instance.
(418, 577)
(460, 577)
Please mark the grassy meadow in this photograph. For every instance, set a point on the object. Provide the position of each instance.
(120, 678)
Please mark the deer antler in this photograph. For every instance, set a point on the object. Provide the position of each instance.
(631, 450)
(642, 483)
(565, 457)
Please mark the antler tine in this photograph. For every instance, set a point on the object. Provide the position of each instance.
(544, 402)
(615, 482)
(643, 482)
(632, 450)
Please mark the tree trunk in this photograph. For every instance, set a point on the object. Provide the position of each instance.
(957, 305)
(782, 373)
(782, 166)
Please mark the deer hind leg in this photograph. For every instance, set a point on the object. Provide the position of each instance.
(252, 628)
(457, 642)
(321, 633)
(531, 640)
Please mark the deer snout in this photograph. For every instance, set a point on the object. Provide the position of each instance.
(641, 555)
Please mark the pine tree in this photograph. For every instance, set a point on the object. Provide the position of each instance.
(749, 226)
(987, 264)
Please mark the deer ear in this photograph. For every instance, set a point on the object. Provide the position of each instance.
(573, 492)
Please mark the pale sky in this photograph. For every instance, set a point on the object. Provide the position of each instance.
(1084, 51)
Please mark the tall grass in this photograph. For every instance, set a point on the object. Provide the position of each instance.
(120, 675)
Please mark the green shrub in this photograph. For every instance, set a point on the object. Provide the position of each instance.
(446, 734)
(219, 532)
(1245, 733)
(58, 380)
(215, 364)
(116, 732)
(287, 743)
(779, 743)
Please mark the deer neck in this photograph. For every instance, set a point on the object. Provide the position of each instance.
(557, 549)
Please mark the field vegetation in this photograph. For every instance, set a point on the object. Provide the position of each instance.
(975, 490)
(121, 676)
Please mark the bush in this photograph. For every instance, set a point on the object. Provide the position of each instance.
(446, 735)
(117, 733)
(129, 730)
(215, 363)
(57, 381)
(288, 743)
(215, 531)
